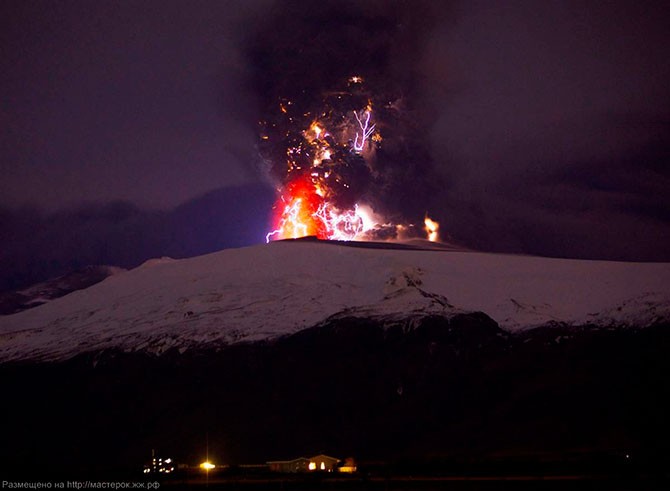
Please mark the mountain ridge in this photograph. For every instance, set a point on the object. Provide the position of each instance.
(269, 291)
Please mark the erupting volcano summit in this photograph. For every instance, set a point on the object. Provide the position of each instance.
(331, 156)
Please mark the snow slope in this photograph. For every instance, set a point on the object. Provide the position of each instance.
(271, 290)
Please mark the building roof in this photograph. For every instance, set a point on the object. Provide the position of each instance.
(287, 461)
(299, 459)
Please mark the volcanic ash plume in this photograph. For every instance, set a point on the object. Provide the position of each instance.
(337, 131)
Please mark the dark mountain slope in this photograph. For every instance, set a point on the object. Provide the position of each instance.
(447, 389)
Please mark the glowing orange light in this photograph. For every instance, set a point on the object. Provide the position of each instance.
(303, 210)
(298, 204)
(431, 227)
(317, 174)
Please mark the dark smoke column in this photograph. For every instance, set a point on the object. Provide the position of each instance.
(338, 128)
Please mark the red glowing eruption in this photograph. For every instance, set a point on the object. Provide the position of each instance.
(324, 156)
(297, 210)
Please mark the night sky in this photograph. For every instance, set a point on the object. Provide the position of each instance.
(129, 129)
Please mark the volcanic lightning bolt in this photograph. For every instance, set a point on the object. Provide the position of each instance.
(366, 131)
(343, 119)
(328, 154)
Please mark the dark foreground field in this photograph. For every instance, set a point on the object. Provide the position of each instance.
(457, 483)
(448, 399)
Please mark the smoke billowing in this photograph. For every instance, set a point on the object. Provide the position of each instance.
(326, 72)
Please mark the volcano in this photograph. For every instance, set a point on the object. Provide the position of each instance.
(389, 351)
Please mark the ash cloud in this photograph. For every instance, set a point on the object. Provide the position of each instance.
(305, 52)
(553, 135)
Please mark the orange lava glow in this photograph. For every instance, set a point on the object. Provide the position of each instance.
(432, 229)
(296, 209)
(325, 151)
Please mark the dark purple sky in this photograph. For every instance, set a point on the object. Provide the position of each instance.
(122, 100)
(548, 122)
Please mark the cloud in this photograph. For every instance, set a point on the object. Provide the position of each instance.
(38, 245)
(552, 127)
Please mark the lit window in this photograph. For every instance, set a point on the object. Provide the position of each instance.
(312, 466)
(323, 466)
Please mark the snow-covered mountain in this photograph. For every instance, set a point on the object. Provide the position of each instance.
(268, 291)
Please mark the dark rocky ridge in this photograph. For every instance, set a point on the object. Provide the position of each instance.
(445, 389)
(12, 302)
